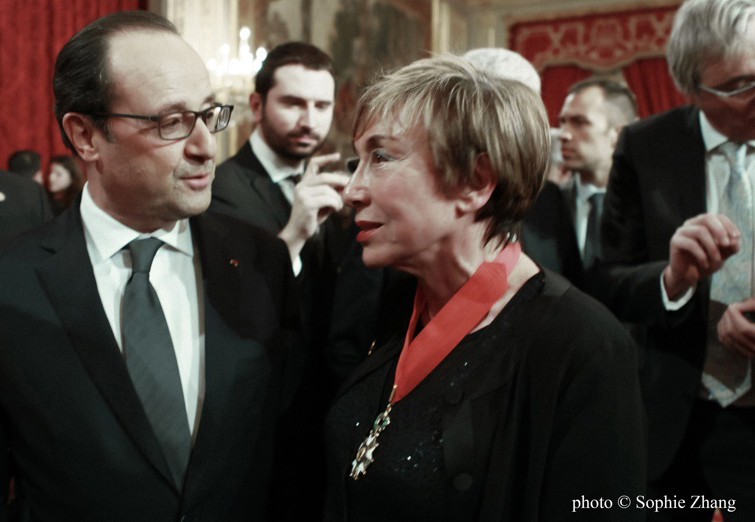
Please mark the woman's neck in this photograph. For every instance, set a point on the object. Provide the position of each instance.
(449, 275)
(442, 279)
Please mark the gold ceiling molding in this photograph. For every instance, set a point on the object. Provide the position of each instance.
(554, 10)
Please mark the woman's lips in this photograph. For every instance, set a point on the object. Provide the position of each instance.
(368, 229)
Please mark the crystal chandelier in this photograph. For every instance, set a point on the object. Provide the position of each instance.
(232, 77)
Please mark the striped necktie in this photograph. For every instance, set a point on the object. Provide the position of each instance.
(151, 360)
(727, 373)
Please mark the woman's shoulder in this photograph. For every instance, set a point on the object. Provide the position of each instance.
(575, 309)
(566, 322)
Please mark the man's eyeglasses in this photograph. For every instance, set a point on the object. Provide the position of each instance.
(728, 94)
(178, 125)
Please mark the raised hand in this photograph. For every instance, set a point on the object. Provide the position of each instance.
(698, 249)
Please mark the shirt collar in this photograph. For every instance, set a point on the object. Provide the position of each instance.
(711, 137)
(276, 168)
(108, 235)
(586, 190)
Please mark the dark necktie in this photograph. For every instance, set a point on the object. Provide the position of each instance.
(151, 360)
(592, 239)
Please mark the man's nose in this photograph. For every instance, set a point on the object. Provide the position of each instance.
(306, 118)
(201, 143)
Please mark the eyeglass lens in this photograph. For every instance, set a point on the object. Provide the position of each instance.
(178, 125)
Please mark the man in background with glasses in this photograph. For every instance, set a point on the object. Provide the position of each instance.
(144, 341)
(677, 247)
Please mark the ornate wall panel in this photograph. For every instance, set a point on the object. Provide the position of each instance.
(596, 42)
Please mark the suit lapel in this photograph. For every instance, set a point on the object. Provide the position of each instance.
(570, 195)
(69, 282)
(688, 165)
(227, 320)
(267, 191)
(220, 288)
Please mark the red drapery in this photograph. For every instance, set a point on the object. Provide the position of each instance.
(627, 43)
(31, 34)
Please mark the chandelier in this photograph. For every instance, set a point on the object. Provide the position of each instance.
(232, 77)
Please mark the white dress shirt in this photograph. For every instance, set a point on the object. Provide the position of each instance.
(278, 170)
(280, 173)
(176, 277)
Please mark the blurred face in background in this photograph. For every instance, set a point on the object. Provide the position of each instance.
(59, 178)
(587, 137)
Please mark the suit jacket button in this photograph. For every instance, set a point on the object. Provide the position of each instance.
(454, 395)
(462, 482)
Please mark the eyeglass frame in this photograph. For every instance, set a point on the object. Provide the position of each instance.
(727, 94)
(352, 164)
(156, 119)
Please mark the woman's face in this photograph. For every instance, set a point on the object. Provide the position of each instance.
(405, 219)
(59, 178)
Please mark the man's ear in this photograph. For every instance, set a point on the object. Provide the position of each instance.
(475, 196)
(80, 132)
(256, 104)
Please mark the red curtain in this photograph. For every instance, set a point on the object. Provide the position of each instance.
(630, 44)
(31, 34)
(650, 81)
(555, 82)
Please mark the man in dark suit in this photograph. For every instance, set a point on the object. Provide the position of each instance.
(275, 182)
(148, 393)
(593, 114)
(23, 204)
(548, 237)
(677, 239)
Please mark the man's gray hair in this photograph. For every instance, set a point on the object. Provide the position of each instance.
(704, 32)
(505, 64)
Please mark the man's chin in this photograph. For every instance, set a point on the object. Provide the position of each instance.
(194, 203)
(572, 164)
(300, 152)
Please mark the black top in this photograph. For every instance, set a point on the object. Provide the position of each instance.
(407, 479)
(533, 411)
(409, 467)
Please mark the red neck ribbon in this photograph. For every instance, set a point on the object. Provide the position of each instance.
(455, 320)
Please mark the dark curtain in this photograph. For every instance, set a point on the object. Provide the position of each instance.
(31, 34)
